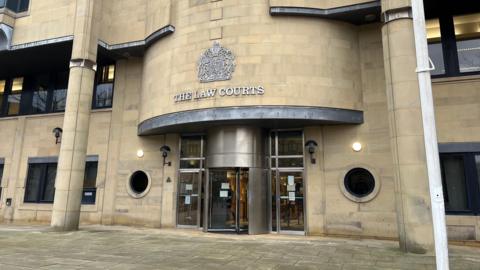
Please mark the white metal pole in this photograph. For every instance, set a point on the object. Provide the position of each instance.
(430, 136)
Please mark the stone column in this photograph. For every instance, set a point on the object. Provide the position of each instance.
(73, 150)
(414, 216)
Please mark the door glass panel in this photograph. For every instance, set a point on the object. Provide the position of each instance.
(454, 186)
(290, 143)
(188, 199)
(243, 201)
(291, 201)
(223, 199)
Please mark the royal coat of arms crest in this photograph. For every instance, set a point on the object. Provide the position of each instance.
(216, 64)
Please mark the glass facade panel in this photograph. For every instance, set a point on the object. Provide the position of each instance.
(435, 49)
(39, 101)
(15, 96)
(91, 169)
(59, 100)
(3, 86)
(34, 179)
(15, 5)
(103, 95)
(191, 147)
(290, 162)
(454, 183)
(190, 164)
(467, 33)
(49, 185)
(290, 143)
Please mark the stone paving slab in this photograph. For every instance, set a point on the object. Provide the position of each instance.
(123, 248)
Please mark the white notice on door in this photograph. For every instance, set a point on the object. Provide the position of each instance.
(188, 187)
(187, 199)
(291, 187)
(223, 194)
(225, 185)
(291, 196)
(291, 180)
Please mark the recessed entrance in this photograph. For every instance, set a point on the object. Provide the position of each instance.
(228, 200)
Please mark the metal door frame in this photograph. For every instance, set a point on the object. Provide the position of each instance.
(208, 204)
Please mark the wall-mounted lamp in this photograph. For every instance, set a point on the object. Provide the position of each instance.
(357, 147)
(140, 153)
(311, 146)
(165, 150)
(58, 135)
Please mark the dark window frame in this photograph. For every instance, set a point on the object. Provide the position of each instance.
(29, 89)
(449, 44)
(98, 78)
(42, 184)
(90, 200)
(16, 5)
(471, 183)
(43, 181)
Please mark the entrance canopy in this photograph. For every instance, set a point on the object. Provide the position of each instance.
(262, 116)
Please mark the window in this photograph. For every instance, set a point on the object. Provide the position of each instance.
(3, 87)
(191, 153)
(359, 182)
(40, 187)
(59, 95)
(1, 176)
(460, 178)
(35, 94)
(287, 149)
(138, 184)
(90, 183)
(454, 44)
(15, 5)
(13, 99)
(103, 94)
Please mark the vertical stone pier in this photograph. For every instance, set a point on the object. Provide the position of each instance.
(413, 205)
(73, 150)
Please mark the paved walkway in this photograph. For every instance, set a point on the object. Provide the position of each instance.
(96, 247)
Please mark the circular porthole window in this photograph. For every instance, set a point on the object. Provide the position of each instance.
(138, 184)
(360, 185)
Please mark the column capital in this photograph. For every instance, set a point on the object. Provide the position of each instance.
(83, 63)
(397, 14)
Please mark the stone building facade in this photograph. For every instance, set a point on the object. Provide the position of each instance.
(270, 116)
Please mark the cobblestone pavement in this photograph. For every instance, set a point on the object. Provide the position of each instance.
(97, 247)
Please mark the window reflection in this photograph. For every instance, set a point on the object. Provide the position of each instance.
(14, 98)
(103, 97)
(467, 32)
(435, 49)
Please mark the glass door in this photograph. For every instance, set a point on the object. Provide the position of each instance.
(291, 201)
(228, 200)
(189, 200)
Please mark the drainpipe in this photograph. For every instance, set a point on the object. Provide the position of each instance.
(430, 136)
